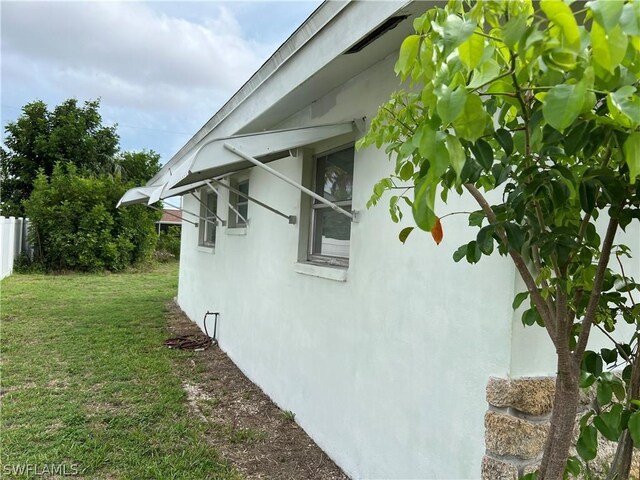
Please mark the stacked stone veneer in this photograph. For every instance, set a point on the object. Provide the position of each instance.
(516, 425)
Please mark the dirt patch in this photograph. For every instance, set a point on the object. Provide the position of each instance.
(246, 427)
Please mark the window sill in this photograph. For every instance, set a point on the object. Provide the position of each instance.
(338, 274)
(204, 249)
(236, 231)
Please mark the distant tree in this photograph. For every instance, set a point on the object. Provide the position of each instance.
(138, 167)
(39, 139)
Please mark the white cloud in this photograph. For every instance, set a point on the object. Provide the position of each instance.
(130, 42)
(160, 68)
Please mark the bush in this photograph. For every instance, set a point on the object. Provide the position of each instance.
(169, 241)
(24, 264)
(75, 224)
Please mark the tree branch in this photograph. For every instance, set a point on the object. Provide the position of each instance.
(596, 292)
(624, 277)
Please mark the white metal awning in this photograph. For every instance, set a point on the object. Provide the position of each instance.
(221, 156)
(146, 195)
(212, 159)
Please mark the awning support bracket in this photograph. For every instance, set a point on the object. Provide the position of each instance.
(303, 189)
(222, 222)
(215, 190)
(291, 218)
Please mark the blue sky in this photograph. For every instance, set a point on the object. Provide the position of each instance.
(161, 69)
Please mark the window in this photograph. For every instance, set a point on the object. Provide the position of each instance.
(240, 203)
(331, 230)
(208, 210)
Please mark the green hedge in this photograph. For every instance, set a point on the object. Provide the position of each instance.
(75, 224)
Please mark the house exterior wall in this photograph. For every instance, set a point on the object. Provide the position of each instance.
(385, 366)
(386, 370)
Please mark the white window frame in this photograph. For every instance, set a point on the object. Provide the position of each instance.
(317, 258)
(208, 220)
(236, 201)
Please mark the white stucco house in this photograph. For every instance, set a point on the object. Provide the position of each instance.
(382, 350)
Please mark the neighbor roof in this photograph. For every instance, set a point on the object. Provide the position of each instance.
(170, 215)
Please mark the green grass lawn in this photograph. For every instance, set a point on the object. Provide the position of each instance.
(85, 379)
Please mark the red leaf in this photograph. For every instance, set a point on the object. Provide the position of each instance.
(436, 231)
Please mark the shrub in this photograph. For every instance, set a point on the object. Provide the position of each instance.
(169, 241)
(75, 224)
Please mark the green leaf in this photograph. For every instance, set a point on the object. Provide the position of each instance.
(408, 54)
(471, 50)
(608, 48)
(515, 236)
(425, 138)
(484, 239)
(406, 172)
(531, 317)
(485, 73)
(404, 234)
(592, 363)
(456, 154)
(460, 253)
(625, 101)
(587, 444)
(604, 393)
(574, 466)
(619, 391)
(471, 124)
(573, 140)
(609, 356)
(563, 103)
(454, 31)
(520, 297)
(586, 379)
(562, 16)
(483, 153)
(630, 19)
(473, 252)
(513, 30)
(588, 191)
(607, 12)
(609, 423)
(423, 204)
(631, 150)
(450, 103)
(426, 58)
(634, 428)
(476, 218)
(504, 139)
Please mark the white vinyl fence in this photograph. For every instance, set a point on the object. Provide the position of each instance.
(13, 242)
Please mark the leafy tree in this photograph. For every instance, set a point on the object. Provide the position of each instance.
(39, 138)
(138, 167)
(540, 109)
(75, 224)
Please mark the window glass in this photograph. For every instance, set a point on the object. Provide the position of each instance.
(334, 175)
(242, 203)
(207, 224)
(331, 230)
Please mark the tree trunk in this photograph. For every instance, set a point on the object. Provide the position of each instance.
(621, 465)
(563, 419)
